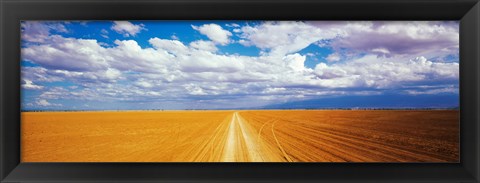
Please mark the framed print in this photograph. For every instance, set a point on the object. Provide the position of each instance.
(240, 91)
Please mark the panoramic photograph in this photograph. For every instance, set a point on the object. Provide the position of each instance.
(240, 91)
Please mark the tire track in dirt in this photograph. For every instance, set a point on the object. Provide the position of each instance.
(209, 151)
(230, 144)
(278, 144)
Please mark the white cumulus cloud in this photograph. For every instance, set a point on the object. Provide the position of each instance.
(215, 33)
(127, 28)
(204, 45)
(45, 103)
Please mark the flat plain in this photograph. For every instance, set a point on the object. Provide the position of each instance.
(241, 136)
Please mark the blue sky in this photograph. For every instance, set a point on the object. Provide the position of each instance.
(123, 65)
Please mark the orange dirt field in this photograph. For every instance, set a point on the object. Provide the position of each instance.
(242, 136)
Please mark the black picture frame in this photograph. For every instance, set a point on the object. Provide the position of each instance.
(12, 12)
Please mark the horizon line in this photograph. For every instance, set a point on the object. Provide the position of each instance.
(352, 108)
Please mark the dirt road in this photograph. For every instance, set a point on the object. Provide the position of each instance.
(245, 145)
